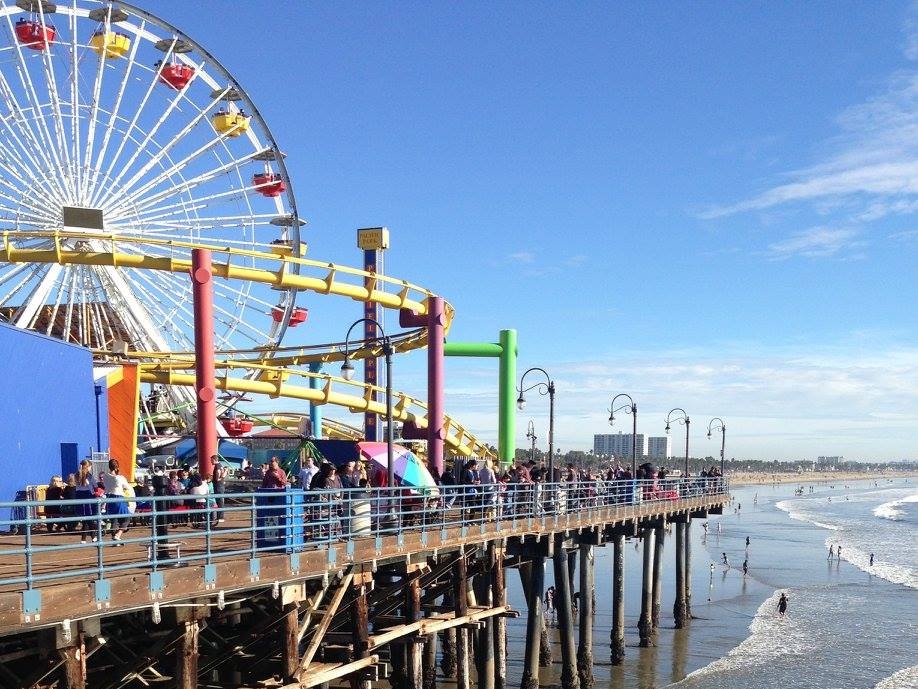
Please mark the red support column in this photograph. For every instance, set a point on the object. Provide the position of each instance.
(204, 385)
(435, 382)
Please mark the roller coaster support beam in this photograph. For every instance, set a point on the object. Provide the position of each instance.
(505, 351)
(315, 410)
(435, 322)
(205, 385)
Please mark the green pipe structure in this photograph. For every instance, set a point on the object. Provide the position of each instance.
(506, 352)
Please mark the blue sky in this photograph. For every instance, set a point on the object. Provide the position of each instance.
(707, 205)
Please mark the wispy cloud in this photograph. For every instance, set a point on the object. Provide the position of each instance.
(816, 242)
(522, 257)
(874, 162)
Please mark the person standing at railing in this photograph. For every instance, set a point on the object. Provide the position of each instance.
(87, 508)
(116, 488)
(488, 481)
(470, 483)
(219, 485)
(275, 477)
(53, 495)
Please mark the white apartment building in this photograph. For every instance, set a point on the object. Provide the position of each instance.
(618, 444)
(659, 447)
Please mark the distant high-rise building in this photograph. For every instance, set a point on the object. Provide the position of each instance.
(618, 444)
(659, 447)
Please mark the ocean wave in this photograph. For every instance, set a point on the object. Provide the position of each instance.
(891, 510)
(795, 512)
(907, 678)
(897, 574)
(770, 637)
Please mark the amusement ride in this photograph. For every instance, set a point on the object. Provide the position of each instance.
(124, 146)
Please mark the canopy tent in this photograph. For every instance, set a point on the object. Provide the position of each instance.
(185, 451)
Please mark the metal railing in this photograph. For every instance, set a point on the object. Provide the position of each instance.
(42, 542)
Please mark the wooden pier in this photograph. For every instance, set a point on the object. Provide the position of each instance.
(350, 613)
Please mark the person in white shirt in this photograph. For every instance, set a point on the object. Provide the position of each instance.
(488, 481)
(116, 486)
(307, 472)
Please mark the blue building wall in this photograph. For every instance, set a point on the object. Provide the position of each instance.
(47, 408)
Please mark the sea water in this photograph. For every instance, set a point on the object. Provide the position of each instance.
(849, 624)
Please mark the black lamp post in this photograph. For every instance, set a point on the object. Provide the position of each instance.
(684, 420)
(347, 370)
(547, 388)
(630, 408)
(531, 436)
(722, 427)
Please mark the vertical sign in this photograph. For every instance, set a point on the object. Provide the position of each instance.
(373, 241)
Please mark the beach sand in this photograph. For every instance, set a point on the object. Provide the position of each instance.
(749, 478)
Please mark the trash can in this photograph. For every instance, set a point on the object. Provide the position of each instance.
(279, 519)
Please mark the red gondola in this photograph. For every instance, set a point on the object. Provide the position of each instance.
(176, 75)
(234, 426)
(297, 316)
(33, 35)
(268, 183)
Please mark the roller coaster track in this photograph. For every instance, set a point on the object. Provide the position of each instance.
(265, 267)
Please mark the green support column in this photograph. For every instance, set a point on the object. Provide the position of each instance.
(506, 434)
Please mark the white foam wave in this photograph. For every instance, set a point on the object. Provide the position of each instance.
(906, 678)
(794, 512)
(770, 637)
(891, 510)
(897, 574)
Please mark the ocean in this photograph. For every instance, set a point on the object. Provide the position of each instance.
(849, 625)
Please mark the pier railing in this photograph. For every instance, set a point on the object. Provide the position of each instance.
(42, 542)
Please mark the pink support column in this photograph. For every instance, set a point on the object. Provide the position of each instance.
(436, 435)
(204, 384)
(435, 322)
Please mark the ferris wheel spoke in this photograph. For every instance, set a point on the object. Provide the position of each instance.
(189, 184)
(142, 325)
(74, 106)
(36, 138)
(199, 203)
(41, 195)
(26, 314)
(18, 158)
(142, 147)
(113, 117)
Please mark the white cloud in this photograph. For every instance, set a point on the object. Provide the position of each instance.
(522, 257)
(817, 242)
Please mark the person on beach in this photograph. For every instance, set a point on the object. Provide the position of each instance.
(747, 541)
(782, 604)
(724, 560)
(871, 559)
(838, 553)
(831, 552)
(718, 527)
(745, 566)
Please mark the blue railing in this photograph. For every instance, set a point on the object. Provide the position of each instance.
(47, 541)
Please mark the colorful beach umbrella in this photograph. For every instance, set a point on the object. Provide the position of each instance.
(409, 470)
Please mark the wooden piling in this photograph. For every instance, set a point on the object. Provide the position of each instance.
(414, 676)
(73, 653)
(499, 597)
(532, 585)
(290, 640)
(569, 678)
(525, 569)
(448, 642)
(429, 669)
(186, 656)
(645, 623)
(460, 602)
(679, 605)
(657, 593)
(585, 647)
(484, 648)
(360, 631)
(688, 568)
(618, 599)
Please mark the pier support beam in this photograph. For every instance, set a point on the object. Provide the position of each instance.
(290, 640)
(484, 648)
(545, 655)
(659, 543)
(186, 656)
(585, 648)
(499, 597)
(430, 662)
(72, 647)
(645, 623)
(679, 605)
(618, 599)
(461, 603)
(533, 585)
(569, 678)
(414, 676)
(360, 627)
(688, 568)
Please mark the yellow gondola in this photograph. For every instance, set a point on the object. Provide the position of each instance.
(113, 44)
(231, 123)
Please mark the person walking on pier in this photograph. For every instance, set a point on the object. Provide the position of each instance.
(116, 486)
(219, 486)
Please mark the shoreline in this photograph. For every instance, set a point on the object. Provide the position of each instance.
(747, 478)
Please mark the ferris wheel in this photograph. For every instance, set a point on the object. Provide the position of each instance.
(113, 122)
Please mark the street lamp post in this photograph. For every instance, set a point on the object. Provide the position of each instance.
(347, 370)
(630, 408)
(684, 420)
(530, 435)
(544, 389)
(722, 427)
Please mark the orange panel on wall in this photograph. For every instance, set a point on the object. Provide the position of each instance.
(123, 401)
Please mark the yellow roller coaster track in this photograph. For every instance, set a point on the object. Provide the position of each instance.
(313, 276)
